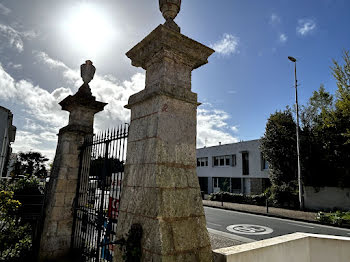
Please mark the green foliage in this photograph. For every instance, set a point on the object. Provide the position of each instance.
(23, 186)
(259, 200)
(336, 218)
(30, 164)
(15, 237)
(279, 147)
(324, 140)
(284, 195)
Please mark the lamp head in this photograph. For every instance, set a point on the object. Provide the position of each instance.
(292, 59)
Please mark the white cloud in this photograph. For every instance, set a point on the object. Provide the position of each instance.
(4, 10)
(42, 107)
(15, 66)
(52, 63)
(29, 141)
(45, 117)
(234, 129)
(227, 45)
(305, 26)
(14, 38)
(283, 38)
(105, 88)
(232, 92)
(212, 128)
(274, 19)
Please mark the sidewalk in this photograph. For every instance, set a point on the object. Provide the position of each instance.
(261, 210)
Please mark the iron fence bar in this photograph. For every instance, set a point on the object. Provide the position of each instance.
(103, 187)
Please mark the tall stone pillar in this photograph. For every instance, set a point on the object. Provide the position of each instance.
(55, 242)
(160, 187)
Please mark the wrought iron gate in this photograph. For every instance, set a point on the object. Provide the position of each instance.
(96, 205)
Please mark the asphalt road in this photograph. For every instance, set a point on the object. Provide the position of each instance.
(256, 227)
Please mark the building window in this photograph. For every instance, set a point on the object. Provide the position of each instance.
(224, 160)
(245, 163)
(233, 160)
(202, 161)
(264, 163)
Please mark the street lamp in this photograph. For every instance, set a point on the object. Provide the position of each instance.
(301, 199)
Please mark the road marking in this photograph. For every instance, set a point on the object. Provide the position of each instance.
(246, 229)
(214, 224)
(231, 236)
(300, 225)
(279, 219)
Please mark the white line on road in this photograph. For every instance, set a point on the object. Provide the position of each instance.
(300, 225)
(280, 219)
(231, 236)
(214, 224)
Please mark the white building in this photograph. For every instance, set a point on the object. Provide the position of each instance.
(236, 168)
(7, 136)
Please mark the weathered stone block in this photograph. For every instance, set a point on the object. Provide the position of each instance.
(179, 203)
(69, 198)
(52, 229)
(72, 185)
(189, 234)
(59, 199)
(64, 228)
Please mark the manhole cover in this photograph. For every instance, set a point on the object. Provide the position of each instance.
(247, 229)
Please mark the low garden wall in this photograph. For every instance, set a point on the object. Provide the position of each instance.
(327, 198)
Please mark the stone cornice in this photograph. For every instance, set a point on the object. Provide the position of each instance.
(172, 43)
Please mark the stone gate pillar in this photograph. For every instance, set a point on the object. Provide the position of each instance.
(160, 187)
(55, 242)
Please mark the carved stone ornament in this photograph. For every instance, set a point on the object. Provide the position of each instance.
(87, 71)
(170, 9)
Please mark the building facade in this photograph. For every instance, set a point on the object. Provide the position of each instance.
(236, 168)
(7, 136)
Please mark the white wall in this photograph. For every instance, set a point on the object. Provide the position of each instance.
(327, 198)
(299, 247)
(232, 171)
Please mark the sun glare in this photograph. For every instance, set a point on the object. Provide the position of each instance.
(88, 29)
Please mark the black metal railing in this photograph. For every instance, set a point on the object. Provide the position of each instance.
(96, 205)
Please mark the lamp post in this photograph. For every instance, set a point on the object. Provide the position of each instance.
(301, 199)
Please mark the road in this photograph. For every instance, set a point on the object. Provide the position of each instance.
(256, 227)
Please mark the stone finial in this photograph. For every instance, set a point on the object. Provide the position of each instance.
(87, 71)
(170, 9)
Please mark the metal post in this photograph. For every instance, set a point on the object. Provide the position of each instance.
(301, 199)
(267, 205)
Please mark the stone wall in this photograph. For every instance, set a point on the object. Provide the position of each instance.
(327, 198)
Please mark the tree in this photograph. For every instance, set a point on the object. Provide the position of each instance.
(278, 146)
(30, 164)
(339, 120)
(315, 139)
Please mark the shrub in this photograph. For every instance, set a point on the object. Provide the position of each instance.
(15, 237)
(238, 198)
(336, 218)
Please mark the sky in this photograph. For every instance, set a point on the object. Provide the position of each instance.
(43, 43)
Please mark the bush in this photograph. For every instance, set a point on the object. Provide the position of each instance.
(15, 232)
(335, 218)
(238, 198)
(284, 195)
(15, 237)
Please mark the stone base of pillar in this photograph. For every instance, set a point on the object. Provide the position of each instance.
(160, 188)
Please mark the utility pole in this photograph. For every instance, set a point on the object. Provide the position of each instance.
(301, 198)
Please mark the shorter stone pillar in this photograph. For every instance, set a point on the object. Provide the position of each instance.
(57, 232)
